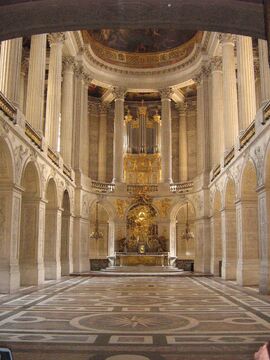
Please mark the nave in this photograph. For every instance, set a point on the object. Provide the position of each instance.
(137, 318)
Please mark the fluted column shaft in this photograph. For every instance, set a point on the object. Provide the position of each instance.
(102, 143)
(53, 107)
(264, 70)
(10, 68)
(67, 109)
(203, 153)
(36, 82)
(78, 114)
(166, 136)
(183, 144)
(230, 113)
(217, 136)
(119, 133)
(246, 81)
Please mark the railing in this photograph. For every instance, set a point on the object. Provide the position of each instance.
(102, 187)
(228, 158)
(247, 135)
(266, 113)
(141, 189)
(216, 172)
(7, 107)
(181, 188)
(53, 156)
(33, 135)
(67, 171)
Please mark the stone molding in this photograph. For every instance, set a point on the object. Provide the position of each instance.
(216, 63)
(56, 38)
(119, 93)
(166, 93)
(68, 63)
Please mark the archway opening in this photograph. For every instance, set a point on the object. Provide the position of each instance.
(185, 248)
(32, 226)
(51, 245)
(98, 249)
(247, 229)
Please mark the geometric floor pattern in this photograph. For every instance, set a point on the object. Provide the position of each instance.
(138, 318)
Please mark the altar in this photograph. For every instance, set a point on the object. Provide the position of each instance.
(141, 259)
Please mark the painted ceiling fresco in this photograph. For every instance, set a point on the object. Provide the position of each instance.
(141, 40)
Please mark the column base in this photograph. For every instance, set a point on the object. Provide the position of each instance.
(32, 274)
(65, 268)
(9, 279)
(248, 273)
(52, 270)
(265, 278)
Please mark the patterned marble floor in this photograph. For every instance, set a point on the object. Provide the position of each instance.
(137, 318)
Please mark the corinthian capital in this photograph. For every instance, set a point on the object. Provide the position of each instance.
(227, 38)
(166, 93)
(119, 93)
(56, 38)
(68, 63)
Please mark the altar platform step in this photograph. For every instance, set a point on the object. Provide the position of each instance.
(141, 270)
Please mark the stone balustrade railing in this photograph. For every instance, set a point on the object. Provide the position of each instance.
(67, 171)
(247, 135)
(102, 187)
(181, 188)
(216, 171)
(53, 156)
(141, 189)
(33, 135)
(8, 108)
(266, 113)
(229, 157)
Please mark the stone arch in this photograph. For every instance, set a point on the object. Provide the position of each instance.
(52, 238)
(7, 169)
(228, 228)
(32, 227)
(66, 236)
(99, 248)
(216, 243)
(247, 227)
(10, 202)
(185, 249)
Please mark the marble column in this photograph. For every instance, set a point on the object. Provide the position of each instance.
(264, 70)
(36, 82)
(246, 82)
(10, 68)
(183, 143)
(166, 136)
(23, 86)
(203, 149)
(102, 142)
(67, 109)
(230, 106)
(53, 107)
(217, 128)
(119, 133)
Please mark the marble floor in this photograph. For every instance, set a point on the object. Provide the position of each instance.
(137, 318)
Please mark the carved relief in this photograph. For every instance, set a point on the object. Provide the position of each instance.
(163, 206)
(20, 153)
(259, 164)
(121, 207)
(4, 129)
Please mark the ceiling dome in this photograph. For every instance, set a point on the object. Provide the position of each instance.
(142, 48)
(141, 40)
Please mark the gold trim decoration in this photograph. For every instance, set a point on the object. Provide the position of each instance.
(142, 168)
(163, 206)
(142, 60)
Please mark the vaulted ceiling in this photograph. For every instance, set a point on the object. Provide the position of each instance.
(25, 17)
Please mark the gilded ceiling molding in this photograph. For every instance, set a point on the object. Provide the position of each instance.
(142, 60)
